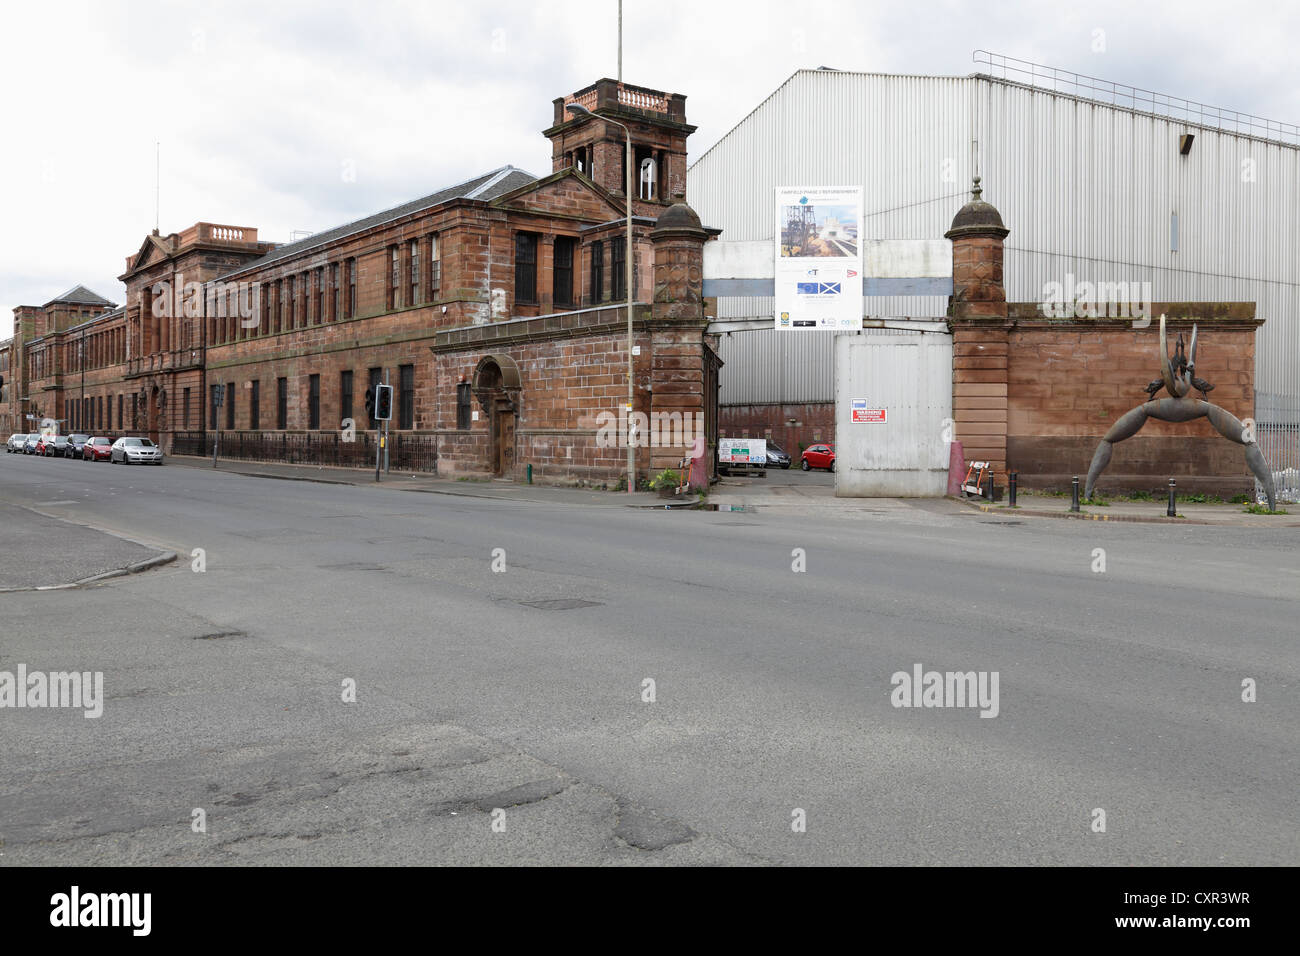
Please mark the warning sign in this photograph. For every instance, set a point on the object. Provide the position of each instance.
(869, 416)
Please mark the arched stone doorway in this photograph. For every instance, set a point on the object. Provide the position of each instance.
(497, 386)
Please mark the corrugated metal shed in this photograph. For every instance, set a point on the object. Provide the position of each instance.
(1089, 189)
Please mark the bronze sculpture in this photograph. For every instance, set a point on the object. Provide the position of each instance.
(1177, 376)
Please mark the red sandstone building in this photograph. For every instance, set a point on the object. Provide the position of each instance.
(496, 309)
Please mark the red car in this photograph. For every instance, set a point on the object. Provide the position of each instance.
(97, 449)
(821, 455)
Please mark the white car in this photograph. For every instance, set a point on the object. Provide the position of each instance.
(131, 450)
(15, 443)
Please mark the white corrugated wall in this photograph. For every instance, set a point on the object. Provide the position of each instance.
(1085, 188)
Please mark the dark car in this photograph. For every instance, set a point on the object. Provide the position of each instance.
(820, 455)
(29, 446)
(51, 446)
(97, 448)
(74, 446)
(777, 457)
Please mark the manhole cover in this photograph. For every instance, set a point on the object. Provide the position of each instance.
(560, 604)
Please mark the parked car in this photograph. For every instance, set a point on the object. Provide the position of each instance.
(75, 443)
(777, 457)
(97, 448)
(130, 450)
(821, 455)
(52, 446)
(15, 443)
(29, 446)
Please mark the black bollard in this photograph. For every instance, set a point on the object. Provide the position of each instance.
(1172, 510)
(988, 485)
(1074, 494)
(1011, 489)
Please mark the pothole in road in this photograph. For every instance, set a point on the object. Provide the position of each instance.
(561, 604)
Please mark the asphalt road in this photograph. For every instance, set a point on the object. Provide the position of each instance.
(481, 690)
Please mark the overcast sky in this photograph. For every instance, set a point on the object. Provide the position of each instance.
(300, 116)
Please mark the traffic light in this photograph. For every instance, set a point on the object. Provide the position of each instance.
(370, 403)
(383, 402)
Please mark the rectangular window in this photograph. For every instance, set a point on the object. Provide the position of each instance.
(319, 317)
(230, 405)
(291, 317)
(265, 292)
(525, 267)
(435, 268)
(282, 403)
(313, 402)
(352, 287)
(462, 406)
(414, 285)
(304, 317)
(406, 396)
(135, 408)
(281, 314)
(618, 268)
(120, 426)
(394, 276)
(337, 292)
(255, 405)
(563, 270)
(345, 396)
(185, 415)
(597, 272)
(376, 378)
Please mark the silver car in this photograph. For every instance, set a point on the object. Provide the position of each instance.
(15, 443)
(131, 450)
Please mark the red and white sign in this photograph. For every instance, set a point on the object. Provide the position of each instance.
(867, 416)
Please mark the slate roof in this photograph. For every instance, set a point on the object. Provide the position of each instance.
(80, 295)
(488, 186)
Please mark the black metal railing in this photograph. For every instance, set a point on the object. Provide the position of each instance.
(407, 451)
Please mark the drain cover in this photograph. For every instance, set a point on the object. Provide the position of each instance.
(561, 604)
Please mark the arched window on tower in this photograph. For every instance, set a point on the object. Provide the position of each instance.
(649, 179)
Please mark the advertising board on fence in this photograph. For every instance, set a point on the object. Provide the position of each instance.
(742, 451)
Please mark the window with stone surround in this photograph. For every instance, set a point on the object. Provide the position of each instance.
(345, 396)
(394, 277)
(413, 258)
(320, 296)
(618, 269)
(526, 267)
(435, 267)
(463, 397)
(352, 287)
(313, 402)
(230, 405)
(562, 278)
(255, 405)
(406, 396)
(282, 403)
(336, 292)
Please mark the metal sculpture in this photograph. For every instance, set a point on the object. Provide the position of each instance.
(1177, 377)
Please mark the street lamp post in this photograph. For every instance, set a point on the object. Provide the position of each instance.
(578, 109)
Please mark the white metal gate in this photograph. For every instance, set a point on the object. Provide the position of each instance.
(893, 414)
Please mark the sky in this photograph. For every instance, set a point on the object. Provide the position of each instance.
(288, 115)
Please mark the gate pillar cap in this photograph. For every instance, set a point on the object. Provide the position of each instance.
(977, 218)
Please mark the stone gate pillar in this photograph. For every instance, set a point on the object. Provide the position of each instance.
(977, 315)
(677, 324)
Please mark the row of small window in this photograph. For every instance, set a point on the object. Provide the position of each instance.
(91, 414)
(563, 267)
(223, 400)
(329, 293)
